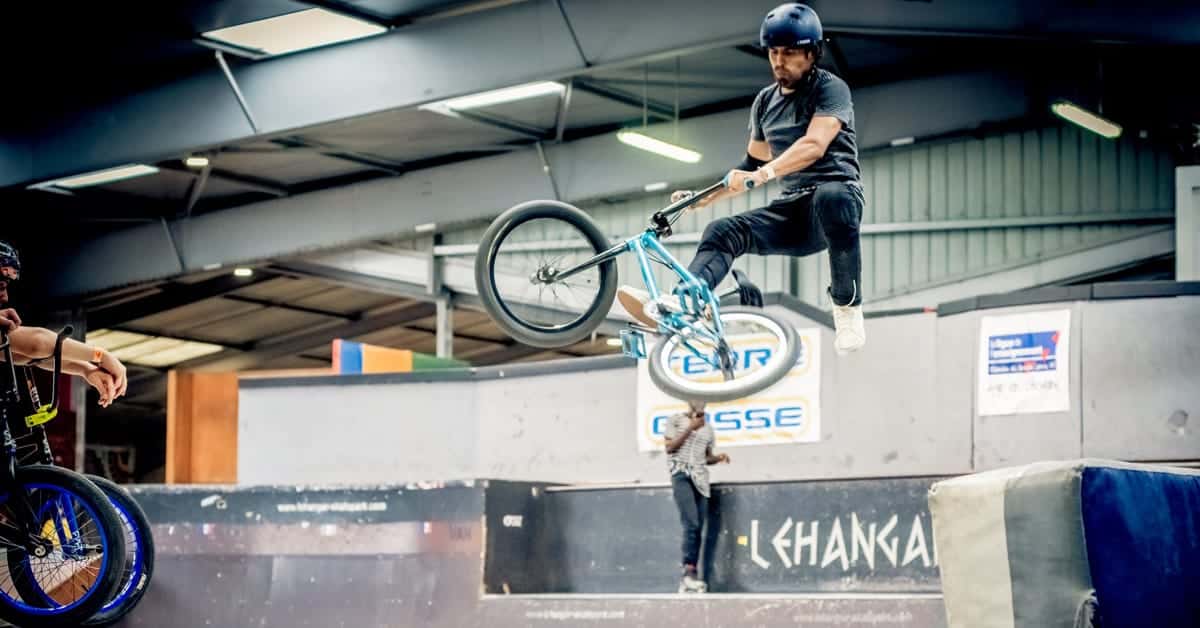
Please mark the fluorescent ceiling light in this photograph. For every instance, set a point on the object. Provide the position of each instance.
(495, 97)
(295, 31)
(655, 187)
(147, 350)
(242, 272)
(196, 161)
(653, 145)
(903, 141)
(101, 177)
(181, 352)
(613, 342)
(1074, 113)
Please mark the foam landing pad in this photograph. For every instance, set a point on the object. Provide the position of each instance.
(1070, 544)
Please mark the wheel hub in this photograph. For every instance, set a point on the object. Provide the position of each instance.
(725, 355)
(543, 275)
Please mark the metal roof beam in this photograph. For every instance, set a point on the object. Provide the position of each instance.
(502, 123)
(294, 344)
(427, 62)
(173, 295)
(253, 184)
(336, 152)
(653, 108)
(293, 307)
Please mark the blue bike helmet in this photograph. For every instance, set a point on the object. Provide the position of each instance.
(10, 259)
(791, 25)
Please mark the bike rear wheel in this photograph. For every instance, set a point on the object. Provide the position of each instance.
(759, 350)
(139, 555)
(516, 265)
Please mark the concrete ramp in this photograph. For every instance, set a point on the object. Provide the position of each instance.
(493, 554)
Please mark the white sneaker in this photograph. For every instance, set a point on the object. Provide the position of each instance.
(691, 584)
(638, 304)
(851, 334)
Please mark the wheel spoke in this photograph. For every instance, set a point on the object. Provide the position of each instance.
(543, 308)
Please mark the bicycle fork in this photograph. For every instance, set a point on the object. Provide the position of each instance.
(694, 296)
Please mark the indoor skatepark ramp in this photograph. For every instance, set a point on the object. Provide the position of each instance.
(499, 554)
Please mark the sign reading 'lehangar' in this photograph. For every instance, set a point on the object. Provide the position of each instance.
(842, 542)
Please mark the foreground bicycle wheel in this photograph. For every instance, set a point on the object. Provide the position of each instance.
(515, 274)
(139, 555)
(82, 542)
(758, 350)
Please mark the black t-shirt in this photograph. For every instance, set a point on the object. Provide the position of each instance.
(781, 119)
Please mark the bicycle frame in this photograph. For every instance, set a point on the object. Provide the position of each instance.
(65, 523)
(10, 403)
(692, 288)
(694, 295)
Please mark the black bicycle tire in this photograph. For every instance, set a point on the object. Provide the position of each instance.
(117, 493)
(780, 369)
(485, 262)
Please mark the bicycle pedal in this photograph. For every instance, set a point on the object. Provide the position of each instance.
(633, 343)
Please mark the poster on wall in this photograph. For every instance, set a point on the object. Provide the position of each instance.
(1024, 363)
(788, 412)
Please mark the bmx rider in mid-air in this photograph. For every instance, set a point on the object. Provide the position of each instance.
(801, 132)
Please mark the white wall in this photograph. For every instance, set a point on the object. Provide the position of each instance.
(904, 405)
(1187, 223)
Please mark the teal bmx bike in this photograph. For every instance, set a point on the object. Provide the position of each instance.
(547, 276)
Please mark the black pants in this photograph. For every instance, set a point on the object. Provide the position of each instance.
(827, 217)
(693, 511)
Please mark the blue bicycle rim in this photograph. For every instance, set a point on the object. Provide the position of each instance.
(136, 566)
(37, 610)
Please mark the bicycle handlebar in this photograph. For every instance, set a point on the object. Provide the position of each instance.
(11, 366)
(58, 343)
(682, 204)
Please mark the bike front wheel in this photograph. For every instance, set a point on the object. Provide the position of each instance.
(80, 549)
(757, 350)
(516, 267)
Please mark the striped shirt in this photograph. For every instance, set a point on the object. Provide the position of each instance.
(692, 456)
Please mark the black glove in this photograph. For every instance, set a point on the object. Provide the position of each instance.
(747, 291)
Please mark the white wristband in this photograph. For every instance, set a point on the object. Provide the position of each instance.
(770, 171)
